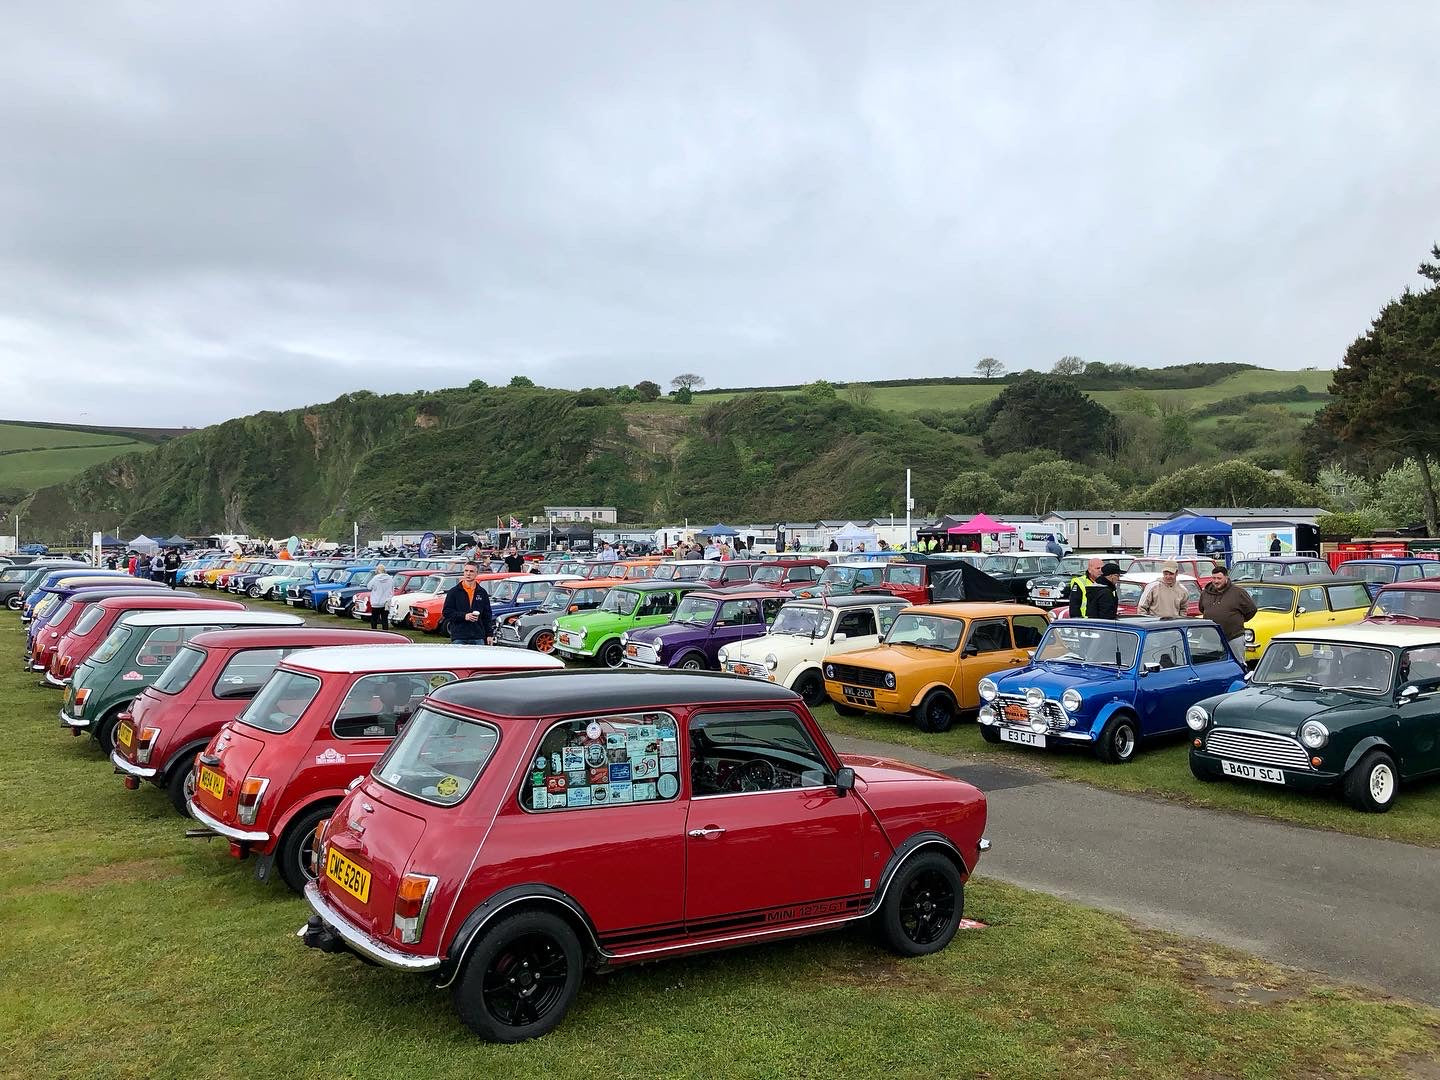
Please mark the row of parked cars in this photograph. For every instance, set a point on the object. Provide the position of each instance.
(422, 796)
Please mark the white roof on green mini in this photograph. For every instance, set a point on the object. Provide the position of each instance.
(1400, 637)
(209, 616)
(352, 659)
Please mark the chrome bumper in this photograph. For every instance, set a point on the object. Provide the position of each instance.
(227, 831)
(362, 941)
(54, 681)
(66, 720)
(121, 765)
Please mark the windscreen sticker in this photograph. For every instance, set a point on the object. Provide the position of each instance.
(646, 768)
(577, 796)
(642, 792)
(620, 792)
(539, 798)
(600, 794)
(592, 730)
(576, 778)
(669, 764)
(439, 680)
(619, 771)
(447, 786)
(594, 755)
(600, 774)
(555, 785)
(573, 757)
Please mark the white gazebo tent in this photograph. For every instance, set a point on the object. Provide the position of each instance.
(143, 543)
(854, 537)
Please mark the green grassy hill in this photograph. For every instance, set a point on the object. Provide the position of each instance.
(36, 455)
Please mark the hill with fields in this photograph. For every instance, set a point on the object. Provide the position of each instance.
(34, 455)
(464, 456)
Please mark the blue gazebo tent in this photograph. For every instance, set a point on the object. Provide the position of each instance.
(720, 530)
(1189, 535)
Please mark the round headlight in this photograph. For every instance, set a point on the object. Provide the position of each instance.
(889, 680)
(1314, 734)
(1249, 636)
(829, 671)
(986, 714)
(580, 633)
(1070, 700)
(1034, 697)
(771, 662)
(1196, 718)
(625, 638)
(988, 690)
(724, 656)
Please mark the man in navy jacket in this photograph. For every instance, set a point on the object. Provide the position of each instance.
(466, 614)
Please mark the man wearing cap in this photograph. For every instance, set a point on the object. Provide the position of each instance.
(1165, 598)
(1230, 606)
(1102, 601)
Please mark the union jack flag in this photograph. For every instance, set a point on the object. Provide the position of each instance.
(514, 524)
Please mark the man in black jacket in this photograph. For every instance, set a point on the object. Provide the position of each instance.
(1102, 601)
(466, 614)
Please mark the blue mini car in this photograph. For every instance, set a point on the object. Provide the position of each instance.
(1108, 683)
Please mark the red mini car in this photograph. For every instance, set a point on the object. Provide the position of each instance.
(1406, 603)
(95, 624)
(525, 827)
(213, 676)
(325, 716)
(49, 635)
(404, 579)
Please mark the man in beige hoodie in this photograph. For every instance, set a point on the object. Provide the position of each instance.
(1165, 597)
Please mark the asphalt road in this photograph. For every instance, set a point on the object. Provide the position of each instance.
(1366, 911)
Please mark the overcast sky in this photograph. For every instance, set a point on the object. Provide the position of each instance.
(210, 208)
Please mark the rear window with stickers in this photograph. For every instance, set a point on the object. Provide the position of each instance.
(438, 757)
(604, 761)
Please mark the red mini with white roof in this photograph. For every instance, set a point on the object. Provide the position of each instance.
(323, 718)
(211, 679)
(526, 827)
(95, 623)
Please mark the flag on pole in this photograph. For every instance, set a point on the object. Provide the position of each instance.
(514, 524)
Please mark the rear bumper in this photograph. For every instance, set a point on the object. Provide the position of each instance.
(53, 681)
(66, 720)
(244, 836)
(357, 940)
(130, 768)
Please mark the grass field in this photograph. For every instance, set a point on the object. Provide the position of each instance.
(32, 457)
(132, 952)
(962, 396)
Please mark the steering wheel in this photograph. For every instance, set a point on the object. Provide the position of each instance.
(755, 775)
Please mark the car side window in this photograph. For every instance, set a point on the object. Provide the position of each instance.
(1430, 569)
(1029, 629)
(1348, 597)
(164, 642)
(1407, 573)
(739, 613)
(885, 616)
(658, 603)
(988, 635)
(1312, 599)
(604, 760)
(376, 705)
(245, 672)
(753, 752)
(771, 608)
(1047, 565)
(1164, 649)
(1206, 645)
(857, 623)
(1420, 665)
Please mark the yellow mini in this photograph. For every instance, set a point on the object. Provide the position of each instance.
(1301, 604)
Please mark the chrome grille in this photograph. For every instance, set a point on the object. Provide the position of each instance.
(643, 654)
(1258, 747)
(1048, 712)
(858, 676)
(509, 631)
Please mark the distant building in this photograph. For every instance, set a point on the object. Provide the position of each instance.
(1104, 530)
(581, 513)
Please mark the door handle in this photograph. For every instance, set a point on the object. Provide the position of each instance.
(707, 832)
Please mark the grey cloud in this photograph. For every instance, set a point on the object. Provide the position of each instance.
(298, 200)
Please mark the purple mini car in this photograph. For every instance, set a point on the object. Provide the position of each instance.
(702, 623)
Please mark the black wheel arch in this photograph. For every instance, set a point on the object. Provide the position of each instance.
(927, 842)
(1364, 746)
(514, 899)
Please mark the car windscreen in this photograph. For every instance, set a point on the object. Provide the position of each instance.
(16, 573)
(664, 572)
(837, 574)
(688, 572)
(1072, 566)
(1128, 592)
(1372, 572)
(281, 701)
(533, 592)
(361, 578)
(588, 597)
(999, 564)
(802, 621)
(619, 601)
(713, 572)
(926, 632)
(559, 598)
(111, 645)
(1089, 645)
(695, 611)
(768, 575)
(901, 574)
(1363, 669)
(1408, 604)
(181, 670)
(89, 620)
(1271, 597)
(437, 757)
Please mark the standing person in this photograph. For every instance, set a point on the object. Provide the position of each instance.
(606, 553)
(112, 561)
(382, 589)
(514, 561)
(130, 563)
(712, 550)
(1053, 547)
(1102, 597)
(172, 566)
(1165, 597)
(834, 546)
(157, 566)
(1274, 545)
(1230, 606)
(466, 614)
(1079, 587)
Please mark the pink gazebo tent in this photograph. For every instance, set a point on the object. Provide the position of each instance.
(980, 524)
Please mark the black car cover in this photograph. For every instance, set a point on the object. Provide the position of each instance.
(955, 579)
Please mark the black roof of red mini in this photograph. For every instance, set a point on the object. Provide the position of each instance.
(597, 691)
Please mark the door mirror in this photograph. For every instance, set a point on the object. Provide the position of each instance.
(971, 650)
(1248, 673)
(840, 635)
(1408, 692)
(845, 780)
(1149, 669)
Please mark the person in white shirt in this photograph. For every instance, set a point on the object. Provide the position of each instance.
(382, 589)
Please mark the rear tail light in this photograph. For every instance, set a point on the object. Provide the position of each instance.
(145, 744)
(79, 703)
(412, 902)
(248, 807)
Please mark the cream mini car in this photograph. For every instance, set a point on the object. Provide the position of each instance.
(805, 632)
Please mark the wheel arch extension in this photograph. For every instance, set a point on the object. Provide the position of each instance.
(1364, 746)
(923, 842)
(509, 901)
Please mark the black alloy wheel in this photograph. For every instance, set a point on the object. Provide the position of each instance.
(811, 689)
(521, 979)
(180, 784)
(936, 713)
(295, 854)
(1118, 740)
(923, 906)
(611, 654)
(691, 663)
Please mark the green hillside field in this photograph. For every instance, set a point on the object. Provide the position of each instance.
(35, 455)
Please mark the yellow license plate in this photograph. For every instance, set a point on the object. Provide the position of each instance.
(125, 735)
(212, 782)
(348, 876)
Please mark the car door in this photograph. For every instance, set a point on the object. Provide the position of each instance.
(988, 648)
(1348, 603)
(1312, 609)
(1211, 661)
(761, 853)
(1418, 735)
(855, 629)
(1166, 680)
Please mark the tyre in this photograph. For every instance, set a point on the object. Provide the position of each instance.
(543, 641)
(936, 713)
(922, 907)
(105, 729)
(1373, 783)
(847, 710)
(1118, 740)
(611, 654)
(1201, 772)
(521, 978)
(180, 784)
(811, 688)
(296, 850)
(253, 592)
(990, 733)
(693, 662)
(13, 602)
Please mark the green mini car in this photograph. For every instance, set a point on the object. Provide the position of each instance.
(595, 635)
(138, 649)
